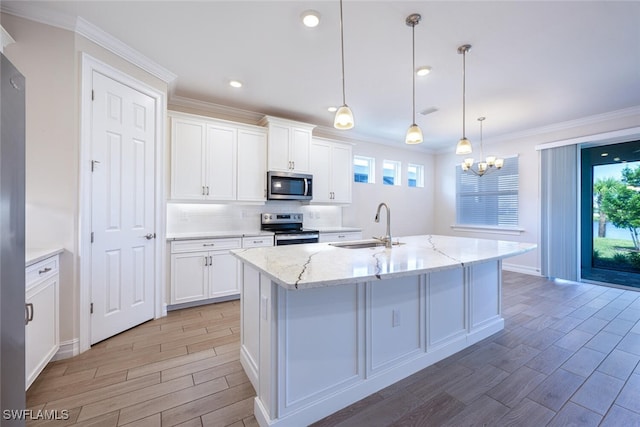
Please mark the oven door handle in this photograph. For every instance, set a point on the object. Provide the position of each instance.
(306, 187)
(297, 236)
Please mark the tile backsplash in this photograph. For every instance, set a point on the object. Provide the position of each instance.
(201, 217)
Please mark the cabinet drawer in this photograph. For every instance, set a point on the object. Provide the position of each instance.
(340, 237)
(255, 242)
(41, 270)
(205, 245)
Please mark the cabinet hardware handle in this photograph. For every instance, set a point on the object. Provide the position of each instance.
(208, 244)
(203, 190)
(28, 312)
(207, 190)
(44, 270)
(294, 165)
(257, 241)
(206, 261)
(210, 260)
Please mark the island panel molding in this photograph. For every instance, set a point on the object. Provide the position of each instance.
(323, 326)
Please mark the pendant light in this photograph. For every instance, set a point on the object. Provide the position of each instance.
(344, 116)
(484, 165)
(464, 145)
(414, 134)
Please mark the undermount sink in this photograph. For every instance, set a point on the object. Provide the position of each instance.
(361, 244)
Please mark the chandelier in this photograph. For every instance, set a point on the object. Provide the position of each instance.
(491, 163)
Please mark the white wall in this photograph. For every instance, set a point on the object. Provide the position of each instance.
(412, 208)
(529, 169)
(49, 58)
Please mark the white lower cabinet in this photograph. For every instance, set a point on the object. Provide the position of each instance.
(42, 337)
(340, 237)
(203, 269)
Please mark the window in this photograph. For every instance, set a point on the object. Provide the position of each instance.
(391, 172)
(415, 175)
(489, 200)
(363, 169)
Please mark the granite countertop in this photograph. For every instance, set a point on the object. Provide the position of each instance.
(216, 234)
(34, 255)
(320, 264)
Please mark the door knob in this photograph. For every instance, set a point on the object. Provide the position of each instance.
(150, 236)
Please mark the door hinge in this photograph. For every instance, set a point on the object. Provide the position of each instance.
(91, 309)
(92, 237)
(92, 95)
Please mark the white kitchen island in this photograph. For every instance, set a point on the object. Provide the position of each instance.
(323, 326)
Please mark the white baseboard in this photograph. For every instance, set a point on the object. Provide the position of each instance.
(524, 269)
(67, 349)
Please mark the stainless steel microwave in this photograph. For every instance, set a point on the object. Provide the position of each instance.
(289, 186)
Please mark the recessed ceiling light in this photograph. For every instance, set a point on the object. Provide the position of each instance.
(617, 159)
(604, 154)
(235, 83)
(332, 109)
(423, 71)
(310, 18)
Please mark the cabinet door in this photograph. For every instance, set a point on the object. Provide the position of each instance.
(320, 159)
(223, 274)
(252, 166)
(278, 157)
(41, 333)
(187, 159)
(299, 149)
(189, 277)
(221, 150)
(341, 173)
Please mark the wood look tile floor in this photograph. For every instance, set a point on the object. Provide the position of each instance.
(569, 355)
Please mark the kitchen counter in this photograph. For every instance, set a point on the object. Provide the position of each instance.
(321, 264)
(216, 234)
(35, 255)
(323, 326)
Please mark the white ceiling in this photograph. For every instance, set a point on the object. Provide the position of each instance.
(532, 64)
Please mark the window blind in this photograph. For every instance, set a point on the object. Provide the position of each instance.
(488, 200)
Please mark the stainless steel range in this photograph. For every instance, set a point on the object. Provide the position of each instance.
(288, 228)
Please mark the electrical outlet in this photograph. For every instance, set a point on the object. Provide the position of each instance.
(395, 321)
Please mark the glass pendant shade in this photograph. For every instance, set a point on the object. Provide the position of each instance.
(464, 146)
(344, 118)
(414, 135)
(499, 163)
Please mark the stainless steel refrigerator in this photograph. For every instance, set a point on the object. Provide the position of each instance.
(12, 252)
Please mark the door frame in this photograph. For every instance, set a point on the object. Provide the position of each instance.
(90, 64)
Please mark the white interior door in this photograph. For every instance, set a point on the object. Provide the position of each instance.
(122, 207)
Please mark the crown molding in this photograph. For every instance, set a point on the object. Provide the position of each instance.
(107, 41)
(32, 12)
(217, 110)
(570, 124)
(80, 26)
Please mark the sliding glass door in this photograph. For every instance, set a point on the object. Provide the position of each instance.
(610, 214)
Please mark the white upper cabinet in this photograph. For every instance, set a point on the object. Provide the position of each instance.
(217, 160)
(252, 165)
(331, 167)
(187, 159)
(220, 167)
(288, 144)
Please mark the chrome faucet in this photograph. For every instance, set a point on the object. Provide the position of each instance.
(386, 239)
